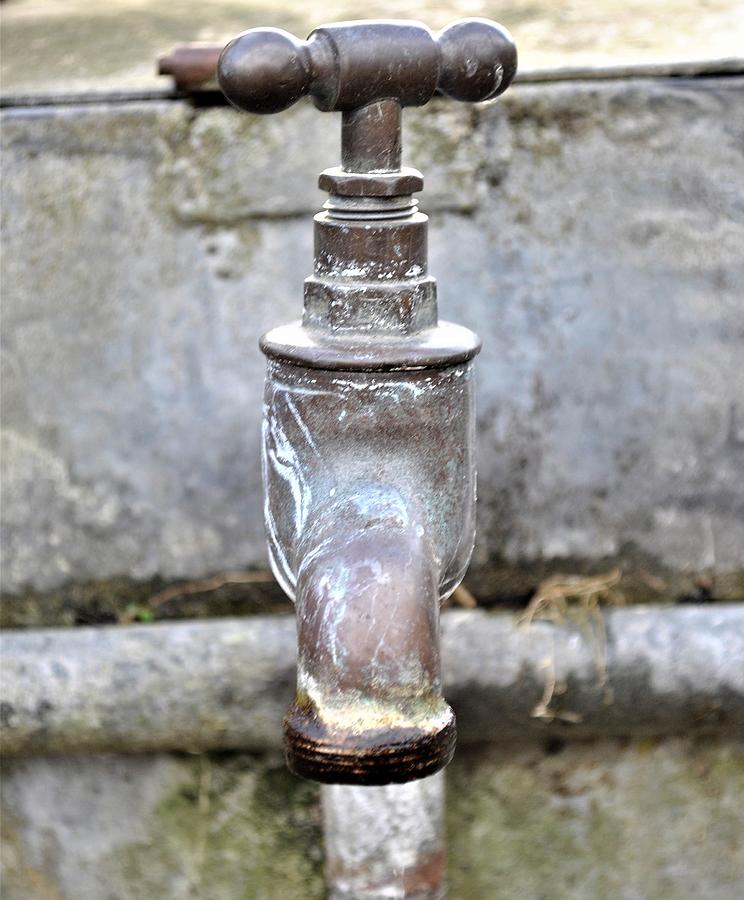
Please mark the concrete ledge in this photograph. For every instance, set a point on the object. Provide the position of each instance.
(224, 684)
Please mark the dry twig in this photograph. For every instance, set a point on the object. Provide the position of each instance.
(461, 596)
(576, 598)
(208, 584)
(144, 612)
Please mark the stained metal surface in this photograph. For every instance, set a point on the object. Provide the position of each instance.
(369, 419)
(370, 511)
(348, 65)
(370, 493)
(370, 138)
(385, 841)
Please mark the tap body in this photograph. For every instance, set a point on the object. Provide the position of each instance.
(370, 503)
(368, 455)
(368, 430)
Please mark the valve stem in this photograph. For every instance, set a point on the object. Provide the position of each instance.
(370, 138)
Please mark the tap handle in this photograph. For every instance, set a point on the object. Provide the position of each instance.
(348, 65)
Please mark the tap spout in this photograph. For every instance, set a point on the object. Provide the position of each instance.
(370, 516)
(369, 708)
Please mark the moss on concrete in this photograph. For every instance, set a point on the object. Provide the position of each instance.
(654, 820)
(121, 599)
(20, 878)
(237, 828)
(499, 583)
(643, 579)
(658, 820)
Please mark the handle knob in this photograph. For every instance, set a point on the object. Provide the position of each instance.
(348, 65)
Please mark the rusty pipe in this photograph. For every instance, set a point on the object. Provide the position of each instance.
(370, 511)
(369, 707)
(385, 841)
(368, 427)
(192, 65)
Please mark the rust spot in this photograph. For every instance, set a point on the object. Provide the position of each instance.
(426, 877)
(380, 756)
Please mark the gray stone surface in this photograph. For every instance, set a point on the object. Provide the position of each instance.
(658, 821)
(226, 683)
(591, 233)
(165, 827)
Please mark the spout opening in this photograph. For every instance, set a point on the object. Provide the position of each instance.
(375, 757)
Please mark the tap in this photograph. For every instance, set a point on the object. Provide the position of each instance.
(368, 425)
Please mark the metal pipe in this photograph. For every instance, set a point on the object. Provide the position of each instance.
(192, 65)
(369, 421)
(369, 476)
(369, 707)
(368, 456)
(224, 684)
(370, 138)
(385, 841)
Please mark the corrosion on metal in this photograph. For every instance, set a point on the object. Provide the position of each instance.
(360, 755)
(346, 66)
(192, 65)
(385, 841)
(369, 418)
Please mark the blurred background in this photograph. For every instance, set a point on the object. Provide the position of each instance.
(72, 44)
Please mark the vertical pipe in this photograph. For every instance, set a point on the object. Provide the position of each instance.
(369, 708)
(370, 138)
(385, 842)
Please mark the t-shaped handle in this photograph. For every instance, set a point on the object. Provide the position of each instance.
(368, 70)
(348, 65)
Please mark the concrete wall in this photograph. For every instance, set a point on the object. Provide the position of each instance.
(592, 233)
(610, 820)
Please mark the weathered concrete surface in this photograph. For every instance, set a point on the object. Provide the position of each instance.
(657, 821)
(182, 828)
(661, 821)
(592, 234)
(77, 46)
(226, 684)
